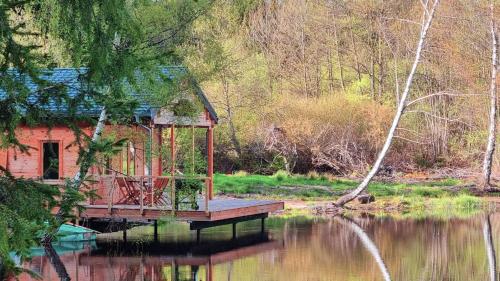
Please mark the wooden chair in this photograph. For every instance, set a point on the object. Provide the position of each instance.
(157, 191)
(128, 189)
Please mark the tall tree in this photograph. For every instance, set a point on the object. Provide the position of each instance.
(107, 39)
(428, 15)
(492, 131)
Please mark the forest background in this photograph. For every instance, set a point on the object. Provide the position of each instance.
(312, 85)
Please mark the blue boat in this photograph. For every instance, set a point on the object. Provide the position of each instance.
(75, 233)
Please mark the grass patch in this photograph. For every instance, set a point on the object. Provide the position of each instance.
(318, 186)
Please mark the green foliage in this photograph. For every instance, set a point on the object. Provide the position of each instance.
(186, 193)
(281, 175)
(467, 202)
(278, 164)
(322, 186)
(25, 208)
(116, 41)
(184, 107)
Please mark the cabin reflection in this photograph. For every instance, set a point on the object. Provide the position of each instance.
(172, 261)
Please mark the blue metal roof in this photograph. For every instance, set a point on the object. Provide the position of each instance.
(71, 78)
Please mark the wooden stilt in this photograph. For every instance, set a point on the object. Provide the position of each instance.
(198, 235)
(234, 231)
(263, 225)
(156, 230)
(125, 230)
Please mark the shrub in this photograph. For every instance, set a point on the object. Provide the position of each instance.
(241, 173)
(464, 201)
(281, 175)
(186, 192)
(334, 133)
(313, 175)
(428, 191)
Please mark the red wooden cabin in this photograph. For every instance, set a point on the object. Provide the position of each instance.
(139, 182)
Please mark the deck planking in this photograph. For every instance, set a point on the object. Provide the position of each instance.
(218, 209)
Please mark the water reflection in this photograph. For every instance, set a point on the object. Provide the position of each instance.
(176, 261)
(369, 245)
(490, 248)
(368, 248)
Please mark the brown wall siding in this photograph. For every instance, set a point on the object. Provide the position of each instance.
(29, 164)
(3, 158)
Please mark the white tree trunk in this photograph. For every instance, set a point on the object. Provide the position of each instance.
(490, 148)
(490, 249)
(369, 245)
(99, 128)
(428, 16)
(80, 175)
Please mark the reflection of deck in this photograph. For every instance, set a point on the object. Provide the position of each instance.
(153, 261)
(218, 209)
(222, 256)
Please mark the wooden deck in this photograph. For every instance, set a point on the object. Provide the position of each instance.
(217, 210)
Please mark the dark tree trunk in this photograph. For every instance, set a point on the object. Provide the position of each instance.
(56, 262)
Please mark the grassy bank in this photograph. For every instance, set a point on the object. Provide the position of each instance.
(439, 195)
(317, 187)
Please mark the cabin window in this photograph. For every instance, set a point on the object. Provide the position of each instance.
(50, 160)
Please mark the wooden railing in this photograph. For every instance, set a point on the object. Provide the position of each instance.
(146, 191)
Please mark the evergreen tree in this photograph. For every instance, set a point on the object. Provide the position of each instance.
(112, 41)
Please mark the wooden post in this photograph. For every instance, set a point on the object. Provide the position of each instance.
(263, 225)
(156, 230)
(141, 199)
(207, 195)
(160, 146)
(125, 230)
(210, 147)
(128, 158)
(192, 140)
(172, 169)
(156, 144)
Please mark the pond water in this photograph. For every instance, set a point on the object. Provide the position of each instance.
(291, 249)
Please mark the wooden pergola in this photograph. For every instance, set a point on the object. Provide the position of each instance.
(166, 120)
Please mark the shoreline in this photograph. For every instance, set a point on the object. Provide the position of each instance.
(389, 206)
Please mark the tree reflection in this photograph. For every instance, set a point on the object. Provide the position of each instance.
(56, 262)
(490, 248)
(368, 244)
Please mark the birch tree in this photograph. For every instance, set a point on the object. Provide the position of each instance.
(492, 132)
(428, 15)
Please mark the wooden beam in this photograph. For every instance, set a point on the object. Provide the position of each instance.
(206, 224)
